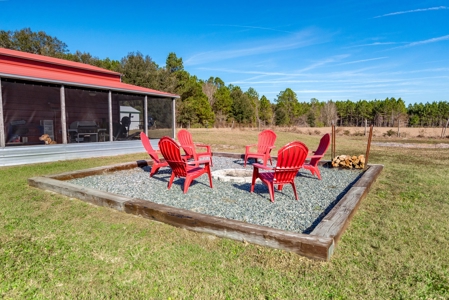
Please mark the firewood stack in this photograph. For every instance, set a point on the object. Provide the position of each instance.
(347, 161)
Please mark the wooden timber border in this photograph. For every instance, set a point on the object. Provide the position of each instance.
(319, 244)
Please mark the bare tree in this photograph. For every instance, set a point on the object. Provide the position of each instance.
(328, 113)
(209, 89)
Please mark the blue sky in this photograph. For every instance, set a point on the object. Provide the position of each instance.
(327, 50)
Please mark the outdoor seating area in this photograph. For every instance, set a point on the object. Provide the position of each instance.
(308, 227)
(290, 159)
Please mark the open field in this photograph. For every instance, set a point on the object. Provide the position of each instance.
(396, 246)
(405, 133)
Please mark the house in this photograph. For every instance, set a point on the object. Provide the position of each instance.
(77, 105)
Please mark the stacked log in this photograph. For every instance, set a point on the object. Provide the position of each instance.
(348, 161)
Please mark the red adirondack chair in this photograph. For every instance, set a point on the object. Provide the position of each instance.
(154, 154)
(265, 144)
(189, 147)
(181, 168)
(290, 159)
(318, 154)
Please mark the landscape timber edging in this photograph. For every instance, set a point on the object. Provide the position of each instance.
(317, 245)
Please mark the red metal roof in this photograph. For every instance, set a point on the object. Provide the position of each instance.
(27, 66)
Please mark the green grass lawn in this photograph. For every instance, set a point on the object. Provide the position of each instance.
(396, 246)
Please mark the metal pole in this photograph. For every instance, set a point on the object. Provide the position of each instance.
(368, 146)
(145, 114)
(111, 131)
(2, 124)
(63, 115)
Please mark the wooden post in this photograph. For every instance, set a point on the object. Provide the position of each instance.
(145, 115)
(111, 127)
(2, 124)
(174, 117)
(63, 115)
(368, 146)
(399, 123)
(333, 141)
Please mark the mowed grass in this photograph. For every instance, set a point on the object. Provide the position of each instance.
(396, 246)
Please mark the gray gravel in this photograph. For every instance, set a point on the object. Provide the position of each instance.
(233, 200)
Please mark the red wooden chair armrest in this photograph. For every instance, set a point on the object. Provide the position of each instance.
(203, 146)
(202, 161)
(256, 165)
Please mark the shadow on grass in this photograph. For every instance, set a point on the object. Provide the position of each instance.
(331, 205)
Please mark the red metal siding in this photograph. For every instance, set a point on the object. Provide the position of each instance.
(16, 64)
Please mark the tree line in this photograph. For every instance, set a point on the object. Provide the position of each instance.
(207, 103)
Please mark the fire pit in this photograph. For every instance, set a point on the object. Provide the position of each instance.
(233, 175)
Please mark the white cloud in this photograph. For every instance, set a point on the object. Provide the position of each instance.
(251, 27)
(361, 61)
(432, 40)
(324, 62)
(373, 44)
(412, 11)
(302, 39)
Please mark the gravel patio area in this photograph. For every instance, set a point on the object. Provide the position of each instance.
(233, 200)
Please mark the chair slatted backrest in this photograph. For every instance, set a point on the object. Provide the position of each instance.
(290, 159)
(266, 140)
(147, 145)
(172, 154)
(322, 148)
(186, 141)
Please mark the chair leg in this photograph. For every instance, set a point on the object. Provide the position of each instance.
(210, 175)
(246, 158)
(153, 170)
(187, 183)
(253, 182)
(318, 172)
(294, 190)
(271, 190)
(172, 177)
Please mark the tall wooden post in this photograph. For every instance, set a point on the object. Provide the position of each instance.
(368, 146)
(145, 115)
(174, 117)
(2, 124)
(111, 127)
(333, 141)
(63, 115)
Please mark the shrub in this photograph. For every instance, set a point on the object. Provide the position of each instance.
(390, 132)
